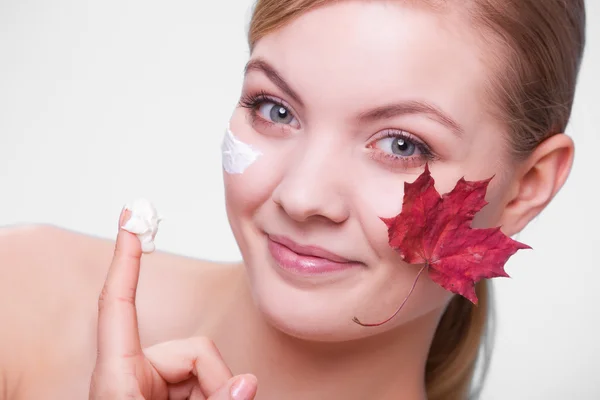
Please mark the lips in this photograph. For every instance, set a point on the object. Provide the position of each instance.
(306, 260)
(310, 251)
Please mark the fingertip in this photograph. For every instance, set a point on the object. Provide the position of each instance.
(127, 243)
(244, 387)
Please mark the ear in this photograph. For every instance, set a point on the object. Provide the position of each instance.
(537, 181)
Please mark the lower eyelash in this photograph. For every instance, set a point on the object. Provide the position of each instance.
(423, 149)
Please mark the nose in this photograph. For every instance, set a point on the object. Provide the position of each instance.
(313, 188)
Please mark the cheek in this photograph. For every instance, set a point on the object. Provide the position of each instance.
(496, 196)
(379, 195)
(248, 183)
(491, 214)
(246, 193)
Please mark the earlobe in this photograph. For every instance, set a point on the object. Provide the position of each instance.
(542, 175)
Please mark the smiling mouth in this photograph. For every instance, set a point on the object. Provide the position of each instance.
(306, 260)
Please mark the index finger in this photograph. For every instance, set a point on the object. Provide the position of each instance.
(118, 334)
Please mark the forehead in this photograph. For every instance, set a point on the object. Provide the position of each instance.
(357, 53)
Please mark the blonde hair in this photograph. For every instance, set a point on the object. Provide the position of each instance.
(538, 49)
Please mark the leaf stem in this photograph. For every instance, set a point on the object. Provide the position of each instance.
(356, 320)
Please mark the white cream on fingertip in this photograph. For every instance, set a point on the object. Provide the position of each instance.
(237, 155)
(143, 222)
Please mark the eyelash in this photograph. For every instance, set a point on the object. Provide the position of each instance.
(426, 154)
(252, 101)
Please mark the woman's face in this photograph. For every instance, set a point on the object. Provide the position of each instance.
(345, 104)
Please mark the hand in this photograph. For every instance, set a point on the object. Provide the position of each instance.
(182, 369)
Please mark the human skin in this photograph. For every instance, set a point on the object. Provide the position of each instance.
(319, 182)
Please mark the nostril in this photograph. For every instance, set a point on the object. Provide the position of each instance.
(301, 207)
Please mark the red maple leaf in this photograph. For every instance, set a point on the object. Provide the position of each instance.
(436, 231)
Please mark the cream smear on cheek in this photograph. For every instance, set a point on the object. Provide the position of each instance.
(143, 223)
(237, 155)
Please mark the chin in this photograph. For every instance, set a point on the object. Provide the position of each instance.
(302, 319)
(320, 308)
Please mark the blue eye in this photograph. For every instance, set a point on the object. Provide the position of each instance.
(275, 112)
(397, 145)
(399, 149)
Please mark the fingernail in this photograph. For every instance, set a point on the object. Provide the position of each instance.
(241, 389)
(124, 217)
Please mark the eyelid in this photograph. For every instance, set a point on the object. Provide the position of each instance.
(427, 153)
(264, 96)
(254, 100)
(392, 133)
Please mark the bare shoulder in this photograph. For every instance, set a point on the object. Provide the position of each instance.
(47, 290)
(43, 266)
(39, 259)
(50, 280)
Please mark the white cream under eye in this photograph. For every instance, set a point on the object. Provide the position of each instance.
(237, 156)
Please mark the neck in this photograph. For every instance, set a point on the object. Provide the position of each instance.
(386, 366)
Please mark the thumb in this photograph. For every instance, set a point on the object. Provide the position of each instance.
(241, 387)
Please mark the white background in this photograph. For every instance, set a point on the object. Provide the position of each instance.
(105, 101)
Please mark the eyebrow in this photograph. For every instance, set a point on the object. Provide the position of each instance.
(413, 107)
(261, 65)
(383, 112)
